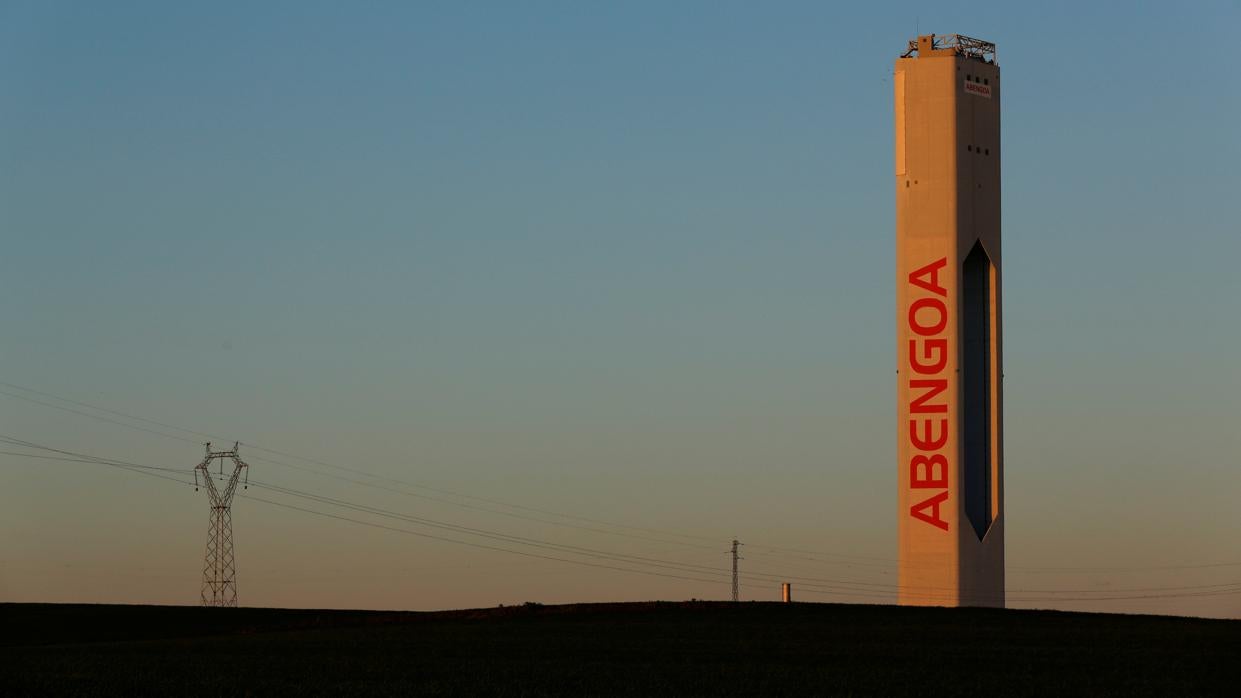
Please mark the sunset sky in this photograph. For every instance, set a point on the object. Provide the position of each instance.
(625, 262)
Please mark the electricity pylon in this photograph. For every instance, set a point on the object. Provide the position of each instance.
(736, 557)
(219, 572)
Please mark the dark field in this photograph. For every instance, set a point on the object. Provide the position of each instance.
(639, 649)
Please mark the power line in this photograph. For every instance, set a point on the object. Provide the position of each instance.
(373, 476)
(99, 408)
(508, 538)
(819, 585)
(356, 471)
(396, 481)
(484, 533)
(132, 467)
(463, 505)
(578, 550)
(474, 545)
(372, 524)
(83, 460)
(95, 416)
(142, 470)
(860, 561)
(836, 585)
(86, 458)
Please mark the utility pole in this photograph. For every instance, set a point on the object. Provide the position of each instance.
(219, 571)
(735, 550)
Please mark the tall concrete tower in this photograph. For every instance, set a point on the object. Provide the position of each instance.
(948, 323)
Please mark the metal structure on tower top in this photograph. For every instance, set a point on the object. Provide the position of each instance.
(955, 43)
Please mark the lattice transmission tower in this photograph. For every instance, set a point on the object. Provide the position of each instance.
(219, 570)
(735, 551)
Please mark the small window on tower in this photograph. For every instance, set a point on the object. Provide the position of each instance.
(985, 81)
(969, 148)
(988, 151)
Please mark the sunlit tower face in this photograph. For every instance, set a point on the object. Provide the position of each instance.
(948, 280)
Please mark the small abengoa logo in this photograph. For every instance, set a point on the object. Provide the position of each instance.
(976, 89)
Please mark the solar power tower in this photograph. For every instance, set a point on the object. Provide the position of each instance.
(948, 280)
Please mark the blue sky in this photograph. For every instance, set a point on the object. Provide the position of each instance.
(627, 259)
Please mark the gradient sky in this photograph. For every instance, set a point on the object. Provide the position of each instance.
(630, 261)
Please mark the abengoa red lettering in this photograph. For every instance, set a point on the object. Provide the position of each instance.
(928, 392)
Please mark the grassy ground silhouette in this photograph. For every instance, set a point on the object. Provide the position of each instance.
(635, 649)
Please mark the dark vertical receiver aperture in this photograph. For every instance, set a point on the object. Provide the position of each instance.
(976, 387)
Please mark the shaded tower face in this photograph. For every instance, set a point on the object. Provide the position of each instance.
(948, 274)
